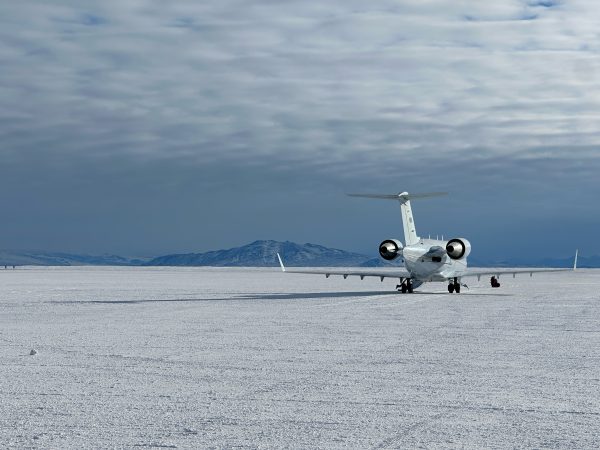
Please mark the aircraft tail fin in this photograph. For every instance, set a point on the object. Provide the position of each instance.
(408, 221)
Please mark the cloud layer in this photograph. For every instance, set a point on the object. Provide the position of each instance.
(152, 126)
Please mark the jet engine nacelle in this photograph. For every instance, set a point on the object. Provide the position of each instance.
(458, 248)
(390, 249)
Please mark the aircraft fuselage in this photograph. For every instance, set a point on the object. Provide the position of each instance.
(427, 260)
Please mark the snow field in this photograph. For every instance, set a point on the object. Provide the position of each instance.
(204, 357)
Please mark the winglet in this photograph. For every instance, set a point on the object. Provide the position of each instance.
(575, 263)
(281, 263)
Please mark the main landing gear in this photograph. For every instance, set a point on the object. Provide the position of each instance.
(454, 286)
(405, 286)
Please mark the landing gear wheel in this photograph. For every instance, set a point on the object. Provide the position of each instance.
(457, 288)
(451, 288)
(403, 289)
(410, 288)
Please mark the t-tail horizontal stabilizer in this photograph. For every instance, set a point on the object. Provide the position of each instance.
(408, 221)
(403, 196)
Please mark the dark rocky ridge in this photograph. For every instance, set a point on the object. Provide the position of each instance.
(264, 254)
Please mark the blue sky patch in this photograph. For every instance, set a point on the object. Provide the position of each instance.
(93, 20)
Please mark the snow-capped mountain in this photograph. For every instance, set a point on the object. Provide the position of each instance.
(264, 254)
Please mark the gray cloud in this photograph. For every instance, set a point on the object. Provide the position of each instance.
(145, 126)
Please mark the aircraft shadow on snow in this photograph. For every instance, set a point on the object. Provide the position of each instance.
(281, 296)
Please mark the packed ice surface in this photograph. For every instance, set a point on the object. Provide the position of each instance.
(202, 357)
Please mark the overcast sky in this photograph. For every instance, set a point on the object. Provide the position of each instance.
(146, 127)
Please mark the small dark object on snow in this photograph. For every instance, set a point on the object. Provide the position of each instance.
(494, 282)
(33, 352)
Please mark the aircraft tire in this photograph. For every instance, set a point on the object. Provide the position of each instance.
(451, 288)
(457, 288)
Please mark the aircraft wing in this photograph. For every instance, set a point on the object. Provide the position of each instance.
(499, 272)
(514, 272)
(402, 273)
(350, 272)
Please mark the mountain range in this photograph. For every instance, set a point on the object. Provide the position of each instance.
(263, 254)
(38, 258)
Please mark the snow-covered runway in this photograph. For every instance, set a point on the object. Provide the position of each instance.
(201, 357)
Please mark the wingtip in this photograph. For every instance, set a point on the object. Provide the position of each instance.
(281, 263)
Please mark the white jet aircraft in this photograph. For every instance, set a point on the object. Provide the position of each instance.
(424, 259)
